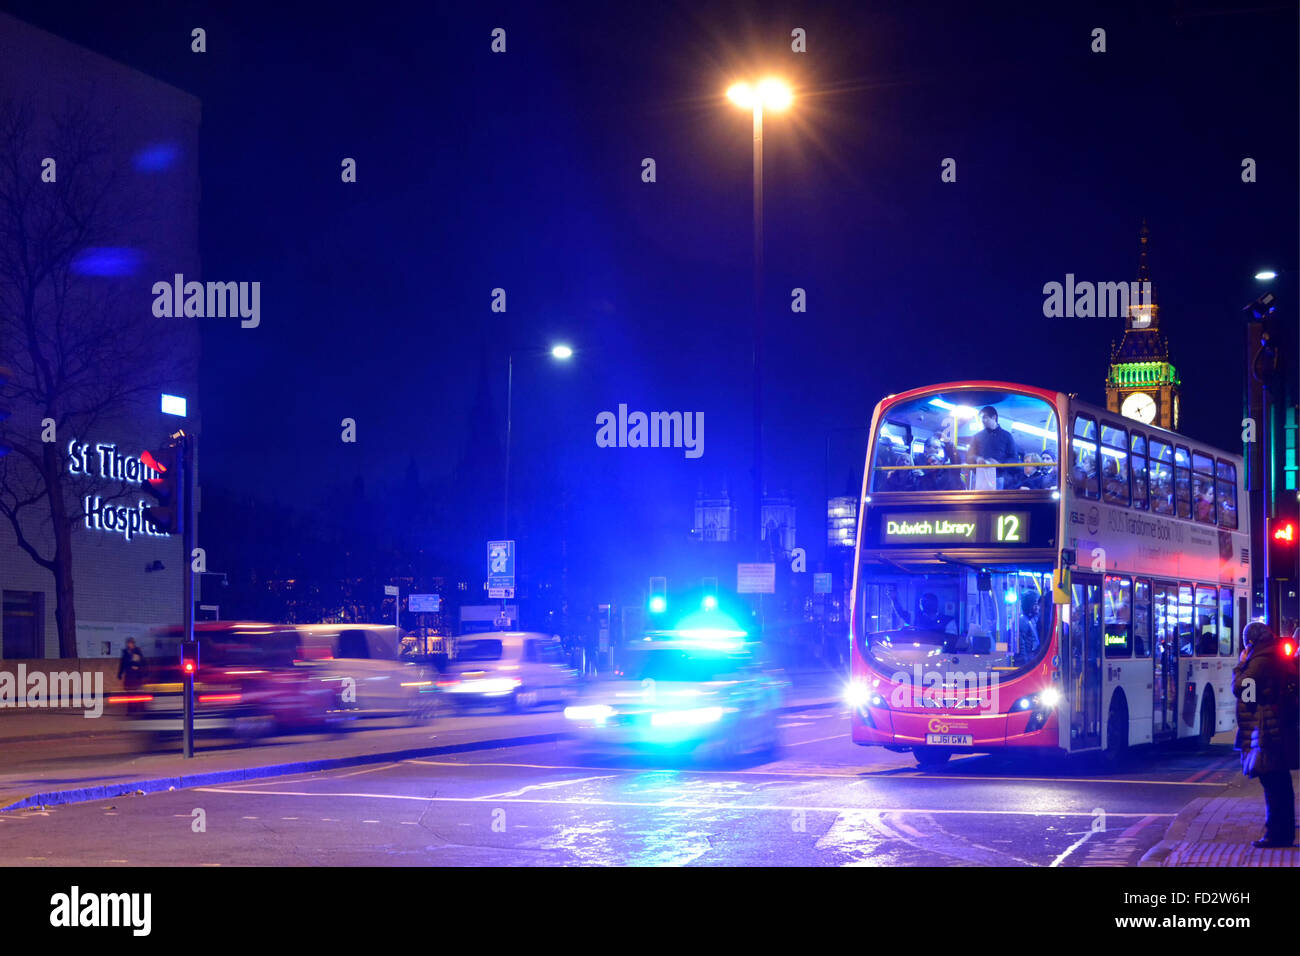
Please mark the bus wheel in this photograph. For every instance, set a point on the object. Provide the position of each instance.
(1207, 720)
(1117, 731)
(931, 756)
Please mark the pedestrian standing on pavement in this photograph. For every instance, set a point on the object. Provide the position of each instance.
(1266, 684)
(130, 669)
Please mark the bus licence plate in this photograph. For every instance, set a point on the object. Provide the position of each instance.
(950, 740)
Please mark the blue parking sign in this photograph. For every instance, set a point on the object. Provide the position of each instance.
(501, 564)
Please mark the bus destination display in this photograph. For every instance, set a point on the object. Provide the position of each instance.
(955, 527)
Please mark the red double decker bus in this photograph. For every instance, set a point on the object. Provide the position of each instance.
(1036, 573)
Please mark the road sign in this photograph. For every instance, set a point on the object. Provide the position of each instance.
(501, 564)
(756, 578)
(500, 594)
(424, 603)
(390, 590)
(821, 583)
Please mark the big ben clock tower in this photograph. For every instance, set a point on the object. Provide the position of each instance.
(1142, 384)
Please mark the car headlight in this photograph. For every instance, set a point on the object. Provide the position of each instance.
(589, 712)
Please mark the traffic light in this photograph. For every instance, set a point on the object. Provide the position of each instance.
(189, 658)
(658, 595)
(165, 488)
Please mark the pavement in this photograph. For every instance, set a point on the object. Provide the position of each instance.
(1218, 830)
(100, 758)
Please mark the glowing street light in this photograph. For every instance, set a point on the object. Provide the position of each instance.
(769, 93)
(561, 352)
(1265, 275)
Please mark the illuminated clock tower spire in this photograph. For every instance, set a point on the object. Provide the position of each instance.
(1142, 384)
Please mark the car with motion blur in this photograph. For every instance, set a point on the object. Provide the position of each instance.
(700, 689)
(249, 684)
(509, 669)
(364, 661)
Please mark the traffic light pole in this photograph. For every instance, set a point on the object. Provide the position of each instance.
(186, 515)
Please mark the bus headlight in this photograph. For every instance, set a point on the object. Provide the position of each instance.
(1049, 698)
(857, 694)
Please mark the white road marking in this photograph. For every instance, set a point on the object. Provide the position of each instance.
(550, 785)
(797, 723)
(357, 773)
(1073, 846)
(655, 804)
(815, 740)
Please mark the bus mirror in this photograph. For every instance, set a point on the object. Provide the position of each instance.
(1061, 586)
(984, 581)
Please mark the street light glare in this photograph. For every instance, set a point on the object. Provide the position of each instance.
(742, 94)
(562, 352)
(775, 94)
(1266, 275)
(771, 94)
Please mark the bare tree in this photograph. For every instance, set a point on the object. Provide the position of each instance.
(84, 347)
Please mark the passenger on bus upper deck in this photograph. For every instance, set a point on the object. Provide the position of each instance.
(992, 445)
(939, 452)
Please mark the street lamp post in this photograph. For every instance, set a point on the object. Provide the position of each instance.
(771, 94)
(561, 352)
(774, 95)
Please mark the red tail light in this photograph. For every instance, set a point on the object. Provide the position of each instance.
(219, 698)
(448, 683)
(1288, 648)
(133, 699)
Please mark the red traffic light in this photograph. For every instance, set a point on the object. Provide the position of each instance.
(1285, 532)
(189, 657)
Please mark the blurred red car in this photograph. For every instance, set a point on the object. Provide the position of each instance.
(251, 682)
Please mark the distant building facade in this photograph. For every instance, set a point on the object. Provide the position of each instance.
(127, 579)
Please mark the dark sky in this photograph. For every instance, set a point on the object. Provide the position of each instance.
(522, 171)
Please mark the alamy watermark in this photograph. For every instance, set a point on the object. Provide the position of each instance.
(56, 689)
(1093, 300)
(651, 430)
(211, 300)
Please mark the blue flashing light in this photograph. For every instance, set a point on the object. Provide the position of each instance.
(658, 605)
(1009, 596)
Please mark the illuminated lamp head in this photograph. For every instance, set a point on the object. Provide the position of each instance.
(658, 604)
(710, 603)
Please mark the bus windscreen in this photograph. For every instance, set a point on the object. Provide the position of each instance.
(984, 440)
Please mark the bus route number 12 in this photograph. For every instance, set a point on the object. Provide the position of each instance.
(1009, 528)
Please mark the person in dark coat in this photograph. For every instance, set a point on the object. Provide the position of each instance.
(1266, 684)
(130, 669)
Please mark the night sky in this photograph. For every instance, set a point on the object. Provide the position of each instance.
(523, 171)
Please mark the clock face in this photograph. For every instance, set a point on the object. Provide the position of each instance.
(1141, 320)
(1139, 406)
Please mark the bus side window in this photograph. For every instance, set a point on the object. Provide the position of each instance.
(1116, 621)
(1138, 444)
(1142, 618)
(1186, 621)
(1207, 621)
(1225, 625)
(1183, 481)
(1083, 471)
(1162, 478)
(1203, 488)
(1227, 497)
(1114, 465)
